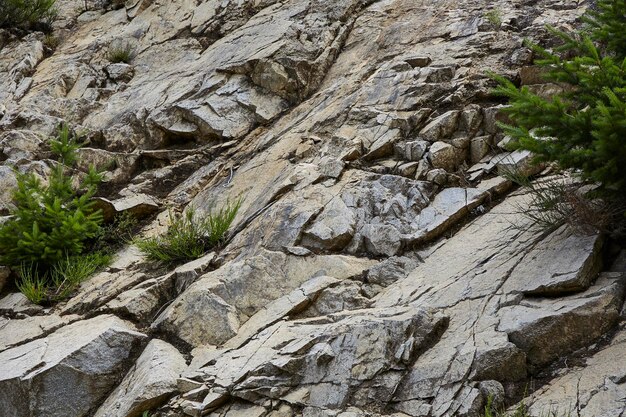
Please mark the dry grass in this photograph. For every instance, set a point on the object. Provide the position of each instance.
(556, 201)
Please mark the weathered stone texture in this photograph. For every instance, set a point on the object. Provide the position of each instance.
(376, 266)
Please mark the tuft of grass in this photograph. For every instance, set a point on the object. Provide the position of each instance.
(217, 223)
(558, 201)
(51, 42)
(121, 52)
(31, 283)
(67, 274)
(62, 279)
(494, 17)
(188, 237)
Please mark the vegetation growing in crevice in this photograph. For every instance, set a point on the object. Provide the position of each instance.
(520, 411)
(51, 42)
(189, 237)
(584, 126)
(53, 220)
(26, 14)
(121, 52)
(113, 235)
(494, 17)
(53, 237)
(555, 201)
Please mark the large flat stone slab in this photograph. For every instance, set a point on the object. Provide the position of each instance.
(447, 207)
(69, 372)
(17, 331)
(565, 261)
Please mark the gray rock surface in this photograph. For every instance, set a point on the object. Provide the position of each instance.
(546, 329)
(518, 163)
(566, 261)
(444, 156)
(212, 310)
(138, 206)
(8, 182)
(377, 265)
(16, 304)
(324, 363)
(596, 388)
(441, 127)
(14, 332)
(151, 380)
(68, 372)
(466, 279)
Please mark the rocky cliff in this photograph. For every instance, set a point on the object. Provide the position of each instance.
(378, 266)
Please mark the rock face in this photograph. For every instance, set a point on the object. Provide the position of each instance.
(544, 329)
(379, 264)
(212, 309)
(466, 279)
(355, 357)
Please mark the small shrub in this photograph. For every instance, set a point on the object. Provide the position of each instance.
(121, 52)
(583, 127)
(65, 145)
(52, 226)
(494, 17)
(55, 220)
(26, 14)
(189, 238)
